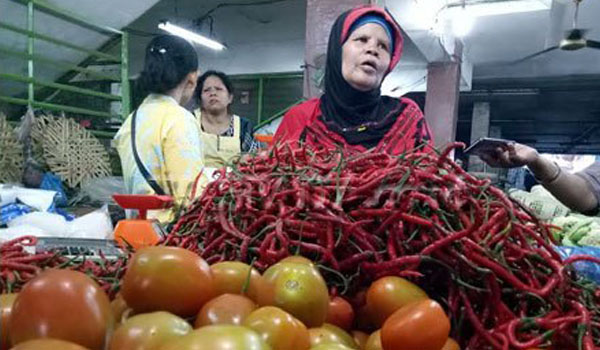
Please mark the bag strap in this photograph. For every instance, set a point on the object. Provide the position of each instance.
(145, 173)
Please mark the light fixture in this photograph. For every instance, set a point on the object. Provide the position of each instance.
(504, 7)
(191, 36)
(459, 15)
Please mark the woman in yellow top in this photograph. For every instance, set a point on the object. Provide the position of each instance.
(224, 134)
(165, 135)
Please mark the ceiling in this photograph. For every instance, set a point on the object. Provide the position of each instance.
(554, 115)
(495, 41)
(112, 13)
(259, 38)
(269, 37)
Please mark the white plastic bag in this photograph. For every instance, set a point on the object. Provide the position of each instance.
(38, 199)
(540, 201)
(52, 224)
(96, 225)
(7, 195)
(6, 234)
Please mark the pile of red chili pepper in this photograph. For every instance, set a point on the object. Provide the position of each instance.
(416, 215)
(17, 266)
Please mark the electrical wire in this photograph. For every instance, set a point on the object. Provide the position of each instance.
(201, 18)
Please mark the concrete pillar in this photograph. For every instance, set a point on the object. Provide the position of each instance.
(480, 127)
(441, 101)
(320, 15)
(496, 132)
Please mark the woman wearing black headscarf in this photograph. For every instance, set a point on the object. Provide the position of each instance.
(365, 44)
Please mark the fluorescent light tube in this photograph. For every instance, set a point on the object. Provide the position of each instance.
(494, 8)
(191, 36)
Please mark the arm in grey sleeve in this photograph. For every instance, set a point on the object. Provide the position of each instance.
(592, 176)
(573, 190)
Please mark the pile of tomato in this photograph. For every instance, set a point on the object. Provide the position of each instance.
(171, 299)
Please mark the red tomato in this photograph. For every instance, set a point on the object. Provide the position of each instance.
(149, 331)
(231, 276)
(47, 344)
(360, 338)
(340, 313)
(451, 344)
(279, 329)
(331, 334)
(388, 294)
(225, 309)
(420, 325)
(219, 337)
(62, 304)
(374, 341)
(167, 279)
(6, 304)
(298, 289)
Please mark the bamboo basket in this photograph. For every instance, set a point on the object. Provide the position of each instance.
(11, 153)
(72, 152)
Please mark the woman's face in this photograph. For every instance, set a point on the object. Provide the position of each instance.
(366, 57)
(215, 97)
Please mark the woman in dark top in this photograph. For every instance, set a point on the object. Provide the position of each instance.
(365, 44)
(224, 134)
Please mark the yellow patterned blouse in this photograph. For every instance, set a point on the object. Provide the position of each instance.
(169, 145)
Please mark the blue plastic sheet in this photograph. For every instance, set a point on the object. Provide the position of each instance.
(53, 183)
(68, 216)
(585, 268)
(10, 211)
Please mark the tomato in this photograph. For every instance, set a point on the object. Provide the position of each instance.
(225, 309)
(6, 304)
(47, 344)
(119, 309)
(230, 277)
(451, 344)
(62, 304)
(420, 325)
(167, 279)
(219, 337)
(340, 313)
(331, 346)
(279, 329)
(388, 294)
(149, 331)
(297, 259)
(374, 341)
(360, 338)
(329, 333)
(298, 289)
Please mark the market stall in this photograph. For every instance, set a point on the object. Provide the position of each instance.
(410, 245)
(318, 234)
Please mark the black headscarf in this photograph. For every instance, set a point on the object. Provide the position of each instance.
(359, 117)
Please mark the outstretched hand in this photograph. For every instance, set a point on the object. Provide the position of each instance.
(510, 156)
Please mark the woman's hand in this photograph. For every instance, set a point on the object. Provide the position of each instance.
(510, 156)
